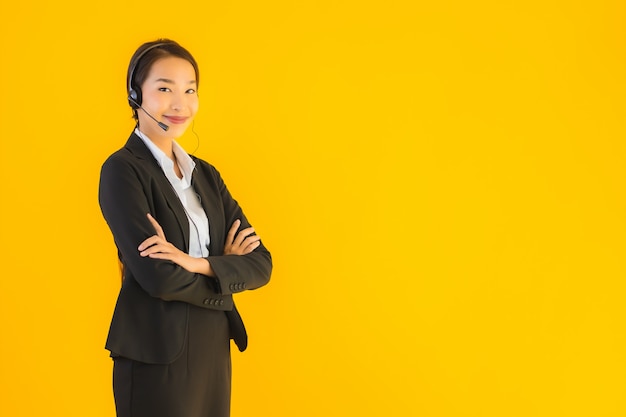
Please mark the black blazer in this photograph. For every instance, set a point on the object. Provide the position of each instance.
(150, 319)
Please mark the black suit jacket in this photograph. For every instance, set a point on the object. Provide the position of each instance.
(150, 319)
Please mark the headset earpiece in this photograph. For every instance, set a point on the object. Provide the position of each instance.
(133, 99)
(134, 94)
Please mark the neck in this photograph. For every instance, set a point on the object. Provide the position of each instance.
(165, 144)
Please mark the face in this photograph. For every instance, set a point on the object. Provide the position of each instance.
(169, 94)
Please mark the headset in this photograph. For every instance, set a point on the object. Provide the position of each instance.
(134, 95)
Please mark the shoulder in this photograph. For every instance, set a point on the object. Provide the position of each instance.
(121, 154)
(133, 154)
(133, 151)
(126, 163)
(118, 160)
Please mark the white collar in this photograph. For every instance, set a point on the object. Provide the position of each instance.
(185, 162)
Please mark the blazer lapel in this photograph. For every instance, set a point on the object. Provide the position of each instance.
(136, 146)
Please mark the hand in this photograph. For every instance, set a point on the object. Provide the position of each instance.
(157, 247)
(243, 243)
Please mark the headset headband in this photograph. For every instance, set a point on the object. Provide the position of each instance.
(134, 98)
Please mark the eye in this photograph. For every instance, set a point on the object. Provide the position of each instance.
(191, 91)
(164, 89)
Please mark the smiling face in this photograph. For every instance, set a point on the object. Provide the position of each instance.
(169, 94)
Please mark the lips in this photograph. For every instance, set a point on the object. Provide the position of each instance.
(177, 120)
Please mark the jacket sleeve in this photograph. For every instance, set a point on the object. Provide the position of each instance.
(125, 197)
(236, 273)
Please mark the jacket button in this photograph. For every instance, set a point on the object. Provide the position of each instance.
(221, 302)
(205, 301)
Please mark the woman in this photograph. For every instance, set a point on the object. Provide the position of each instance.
(185, 247)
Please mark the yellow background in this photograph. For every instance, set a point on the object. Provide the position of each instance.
(441, 184)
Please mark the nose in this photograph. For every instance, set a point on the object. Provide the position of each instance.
(178, 102)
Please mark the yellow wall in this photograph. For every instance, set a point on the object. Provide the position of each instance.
(441, 184)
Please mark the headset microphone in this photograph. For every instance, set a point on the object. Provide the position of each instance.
(161, 124)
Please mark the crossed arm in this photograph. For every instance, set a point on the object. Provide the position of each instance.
(157, 247)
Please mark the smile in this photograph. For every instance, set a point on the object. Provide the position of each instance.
(177, 120)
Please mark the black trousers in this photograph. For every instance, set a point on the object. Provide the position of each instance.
(197, 384)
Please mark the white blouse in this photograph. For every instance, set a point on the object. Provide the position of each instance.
(198, 222)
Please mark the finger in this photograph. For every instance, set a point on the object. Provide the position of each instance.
(230, 237)
(164, 256)
(253, 238)
(250, 240)
(163, 248)
(152, 240)
(242, 235)
(252, 246)
(152, 249)
(248, 245)
(247, 232)
(157, 226)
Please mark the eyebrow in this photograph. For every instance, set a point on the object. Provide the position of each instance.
(168, 81)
